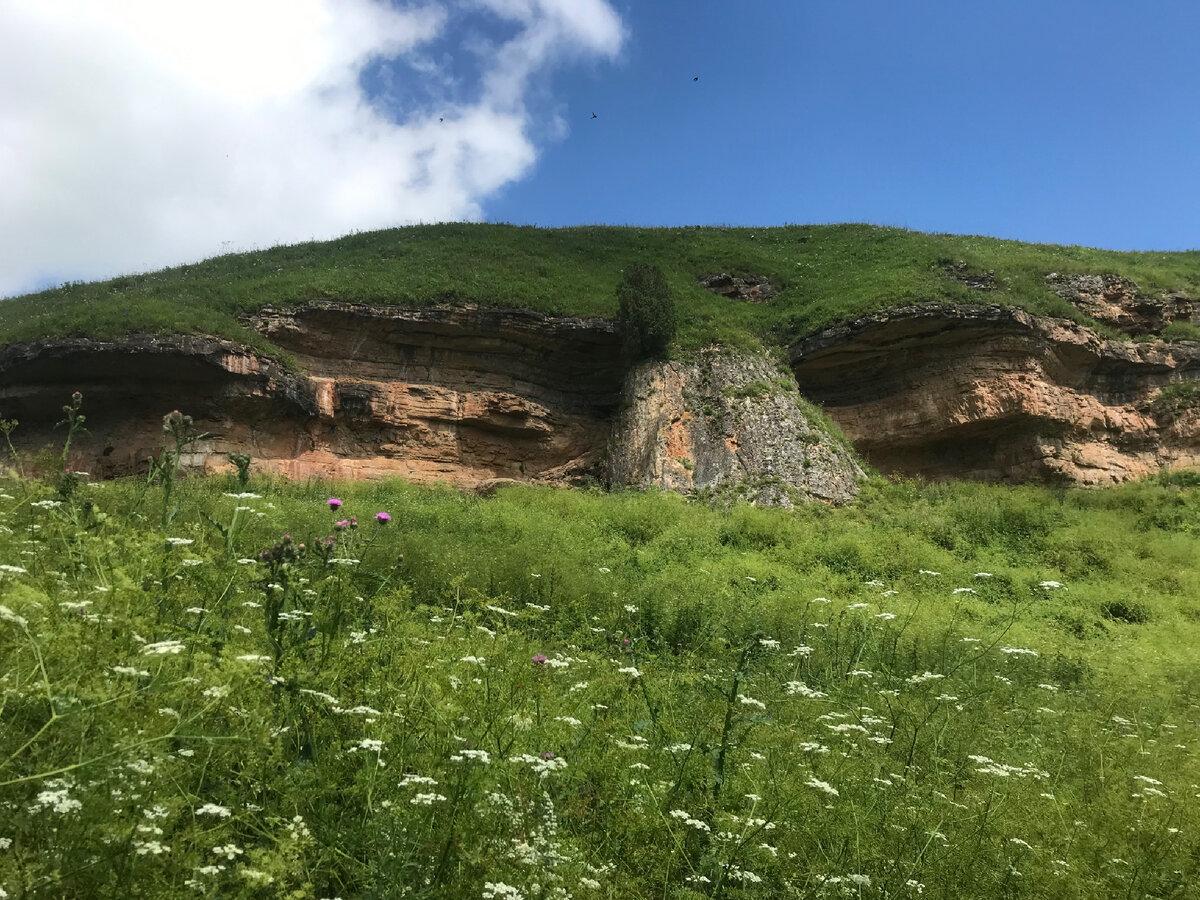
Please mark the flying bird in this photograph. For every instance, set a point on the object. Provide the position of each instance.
(696, 78)
(594, 116)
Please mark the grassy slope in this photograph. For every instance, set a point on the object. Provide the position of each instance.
(824, 273)
(432, 637)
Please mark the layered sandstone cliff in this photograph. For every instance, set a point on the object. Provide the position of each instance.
(994, 393)
(469, 395)
(457, 394)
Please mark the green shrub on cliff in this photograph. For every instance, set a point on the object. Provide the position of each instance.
(646, 309)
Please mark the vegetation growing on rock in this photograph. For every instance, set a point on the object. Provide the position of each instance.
(819, 274)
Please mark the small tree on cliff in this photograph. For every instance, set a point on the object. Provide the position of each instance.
(645, 309)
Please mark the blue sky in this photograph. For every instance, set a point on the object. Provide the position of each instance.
(136, 134)
(1053, 121)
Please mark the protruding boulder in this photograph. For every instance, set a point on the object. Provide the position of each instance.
(731, 423)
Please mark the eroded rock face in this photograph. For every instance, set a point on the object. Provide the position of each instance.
(994, 393)
(746, 288)
(1117, 301)
(460, 394)
(732, 423)
(454, 394)
(246, 402)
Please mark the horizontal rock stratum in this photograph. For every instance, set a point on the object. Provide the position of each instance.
(461, 394)
(471, 395)
(994, 393)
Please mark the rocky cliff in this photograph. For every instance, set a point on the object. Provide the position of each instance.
(994, 393)
(457, 394)
(729, 423)
(469, 395)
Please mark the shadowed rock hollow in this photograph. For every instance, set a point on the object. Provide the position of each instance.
(995, 393)
(460, 394)
(455, 394)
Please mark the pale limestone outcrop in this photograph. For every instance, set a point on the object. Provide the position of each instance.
(731, 423)
(995, 393)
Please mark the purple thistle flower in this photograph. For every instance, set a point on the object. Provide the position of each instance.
(382, 518)
(334, 504)
(539, 659)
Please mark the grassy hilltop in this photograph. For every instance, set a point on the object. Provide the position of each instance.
(822, 273)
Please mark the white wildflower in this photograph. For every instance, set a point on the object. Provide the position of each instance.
(822, 786)
(479, 756)
(743, 875)
(1018, 651)
(498, 890)
(56, 797)
(180, 542)
(426, 799)
(417, 779)
(803, 690)
(7, 615)
(212, 809)
(921, 679)
(163, 648)
(750, 701)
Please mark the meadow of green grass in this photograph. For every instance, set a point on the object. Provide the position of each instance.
(939, 691)
(823, 273)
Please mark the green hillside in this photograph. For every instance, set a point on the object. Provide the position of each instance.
(938, 692)
(822, 273)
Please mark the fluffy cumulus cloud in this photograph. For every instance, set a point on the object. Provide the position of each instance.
(139, 133)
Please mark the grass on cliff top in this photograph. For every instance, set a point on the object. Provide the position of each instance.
(822, 274)
(937, 692)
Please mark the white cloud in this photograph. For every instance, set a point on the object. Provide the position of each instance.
(139, 133)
